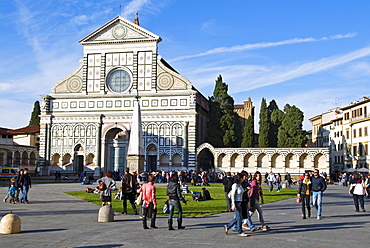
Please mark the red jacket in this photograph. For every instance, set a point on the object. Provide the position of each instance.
(148, 190)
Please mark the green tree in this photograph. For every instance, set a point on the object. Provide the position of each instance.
(290, 132)
(214, 132)
(248, 134)
(277, 118)
(35, 116)
(264, 125)
(227, 116)
(273, 129)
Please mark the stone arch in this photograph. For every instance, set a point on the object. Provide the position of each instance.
(320, 161)
(24, 158)
(55, 159)
(305, 161)
(176, 160)
(90, 159)
(221, 160)
(33, 158)
(248, 160)
(115, 146)
(67, 159)
(236, 160)
(263, 160)
(205, 159)
(164, 160)
(289, 160)
(277, 161)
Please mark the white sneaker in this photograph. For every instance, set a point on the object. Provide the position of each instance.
(319, 217)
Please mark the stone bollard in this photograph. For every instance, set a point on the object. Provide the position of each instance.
(284, 185)
(106, 214)
(10, 223)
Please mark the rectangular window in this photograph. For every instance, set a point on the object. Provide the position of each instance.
(354, 151)
(366, 149)
(365, 131)
(365, 111)
(360, 132)
(347, 134)
(354, 133)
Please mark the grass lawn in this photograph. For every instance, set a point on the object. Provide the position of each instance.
(193, 208)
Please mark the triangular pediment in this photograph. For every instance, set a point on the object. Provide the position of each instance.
(119, 30)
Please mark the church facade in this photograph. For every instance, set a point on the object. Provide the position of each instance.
(87, 118)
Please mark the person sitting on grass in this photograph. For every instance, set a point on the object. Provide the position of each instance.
(206, 195)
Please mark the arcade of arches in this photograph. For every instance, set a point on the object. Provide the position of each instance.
(279, 160)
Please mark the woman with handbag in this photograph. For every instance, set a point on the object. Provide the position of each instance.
(304, 192)
(174, 198)
(149, 202)
(105, 191)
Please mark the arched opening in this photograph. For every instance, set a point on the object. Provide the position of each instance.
(24, 158)
(222, 160)
(78, 159)
(66, 159)
(262, 161)
(248, 160)
(205, 160)
(236, 160)
(17, 158)
(90, 159)
(176, 160)
(305, 161)
(116, 142)
(55, 159)
(320, 161)
(289, 160)
(32, 158)
(151, 152)
(277, 161)
(164, 160)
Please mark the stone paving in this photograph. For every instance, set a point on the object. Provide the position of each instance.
(54, 219)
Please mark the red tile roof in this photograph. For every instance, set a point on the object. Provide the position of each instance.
(24, 130)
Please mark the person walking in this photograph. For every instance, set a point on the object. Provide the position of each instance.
(288, 180)
(318, 188)
(149, 202)
(106, 195)
(236, 195)
(357, 189)
(304, 191)
(129, 191)
(271, 179)
(255, 194)
(25, 183)
(174, 198)
(228, 182)
(278, 182)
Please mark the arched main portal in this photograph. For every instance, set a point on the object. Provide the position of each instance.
(151, 160)
(205, 160)
(115, 149)
(78, 158)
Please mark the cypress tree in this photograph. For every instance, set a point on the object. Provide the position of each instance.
(277, 118)
(273, 129)
(264, 125)
(248, 134)
(290, 132)
(214, 132)
(227, 116)
(35, 116)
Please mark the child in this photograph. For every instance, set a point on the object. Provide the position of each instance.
(119, 194)
(14, 184)
(11, 193)
(185, 188)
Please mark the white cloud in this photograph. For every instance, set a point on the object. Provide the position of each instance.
(261, 45)
(133, 7)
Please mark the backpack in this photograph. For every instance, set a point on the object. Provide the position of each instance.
(229, 184)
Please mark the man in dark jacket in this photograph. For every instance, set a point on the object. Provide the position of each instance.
(318, 187)
(228, 183)
(25, 183)
(129, 191)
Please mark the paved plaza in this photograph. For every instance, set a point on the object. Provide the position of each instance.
(54, 219)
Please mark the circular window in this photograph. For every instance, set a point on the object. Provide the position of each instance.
(119, 81)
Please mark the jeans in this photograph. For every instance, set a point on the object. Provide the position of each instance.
(228, 201)
(317, 201)
(305, 200)
(278, 186)
(247, 220)
(25, 189)
(359, 199)
(237, 218)
(271, 185)
(259, 212)
(175, 204)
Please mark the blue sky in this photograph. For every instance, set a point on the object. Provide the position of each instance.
(313, 54)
